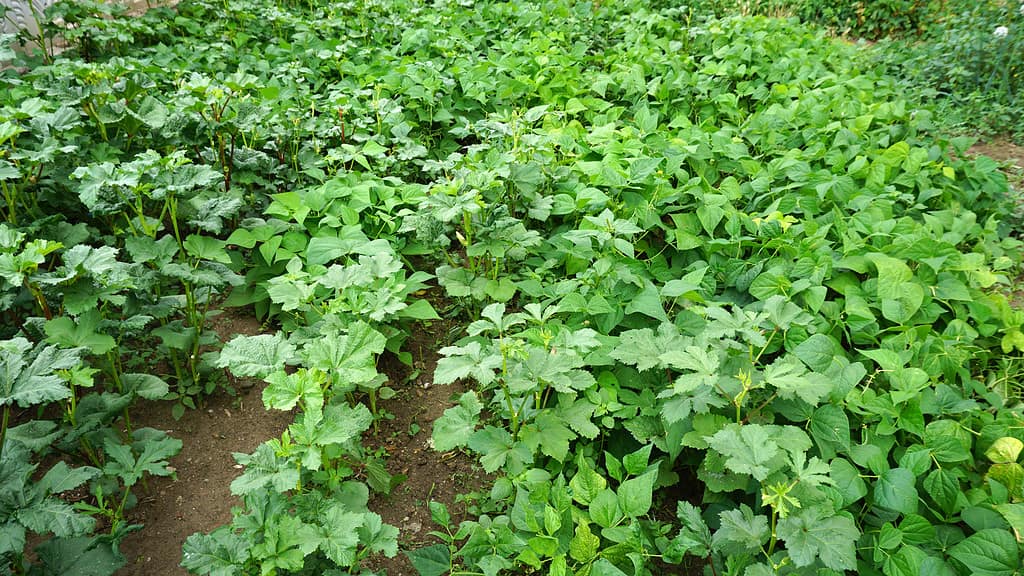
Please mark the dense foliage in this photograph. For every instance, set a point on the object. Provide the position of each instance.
(962, 56)
(969, 63)
(717, 257)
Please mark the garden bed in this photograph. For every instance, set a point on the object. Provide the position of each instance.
(611, 289)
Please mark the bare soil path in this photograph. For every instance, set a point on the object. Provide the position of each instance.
(200, 499)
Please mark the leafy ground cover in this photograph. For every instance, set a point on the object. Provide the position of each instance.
(714, 295)
(960, 56)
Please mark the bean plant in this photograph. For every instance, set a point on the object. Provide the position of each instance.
(726, 296)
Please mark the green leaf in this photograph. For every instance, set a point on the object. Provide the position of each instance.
(210, 216)
(603, 567)
(893, 275)
(153, 458)
(152, 112)
(794, 381)
(578, 416)
(378, 536)
(28, 375)
(918, 459)
(469, 360)
(1014, 516)
(549, 434)
(847, 480)
(256, 356)
(642, 348)
(83, 556)
(812, 533)
(748, 449)
(636, 462)
(903, 307)
(419, 310)
(584, 544)
(694, 536)
(500, 290)
(350, 357)
(35, 434)
(990, 552)
(338, 532)
(944, 488)
(1009, 475)
(830, 428)
(455, 427)
(906, 561)
(817, 352)
(264, 468)
(339, 423)
(220, 553)
(61, 478)
(635, 494)
(285, 390)
(68, 333)
(604, 509)
(12, 538)
(497, 449)
(144, 249)
(917, 530)
(48, 515)
(145, 386)
(740, 531)
(206, 248)
(648, 302)
(287, 540)
(433, 560)
(439, 514)
(895, 490)
(1004, 450)
(586, 484)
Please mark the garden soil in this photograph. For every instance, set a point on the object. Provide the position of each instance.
(199, 499)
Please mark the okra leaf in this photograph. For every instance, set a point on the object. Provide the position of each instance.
(339, 533)
(463, 361)
(264, 468)
(256, 356)
(812, 533)
(28, 376)
(52, 515)
(285, 390)
(80, 556)
(498, 450)
(61, 478)
(378, 536)
(740, 532)
(12, 538)
(69, 333)
(455, 427)
(219, 553)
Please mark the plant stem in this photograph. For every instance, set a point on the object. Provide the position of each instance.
(3, 429)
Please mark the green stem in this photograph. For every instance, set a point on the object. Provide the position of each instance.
(90, 452)
(504, 387)
(40, 299)
(10, 196)
(373, 410)
(115, 374)
(3, 428)
(765, 347)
